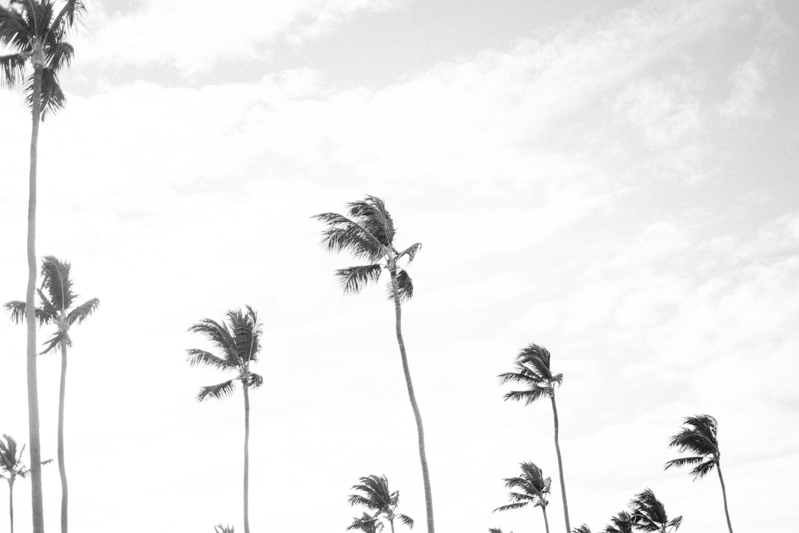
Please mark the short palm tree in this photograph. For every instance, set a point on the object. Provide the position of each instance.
(699, 437)
(58, 307)
(11, 468)
(239, 342)
(368, 233)
(621, 523)
(532, 488)
(532, 370)
(649, 514)
(367, 523)
(374, 494)
(35, 31)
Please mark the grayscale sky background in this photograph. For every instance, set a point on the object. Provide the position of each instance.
(613, 180)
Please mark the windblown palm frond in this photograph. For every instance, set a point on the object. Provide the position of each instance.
(621, 523)
(57, 282)
(353, 279)
(219, 528)
(366, 523)
(532, 370)
(533, 488)
(699, 437)
(649, 513)
(582, 529)
(374, 494)
(220, 390)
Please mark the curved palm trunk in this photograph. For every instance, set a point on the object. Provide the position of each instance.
(546, 522)
(560, 463)
(428, 493)
(724, 494)
(62, 469)
(30, 318)
(11, 504)
(246, 458)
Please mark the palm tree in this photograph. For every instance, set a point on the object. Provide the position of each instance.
(376, 497)
(219, 528)
(366, 523)
(533, 371)
(368, 233)
(533, 488)
(621, 523)
(699, 437)
(582, 529)
(649, 514)
(11, 468)
(495, 530)
(239, 341)
(36, 33)
(57, 308)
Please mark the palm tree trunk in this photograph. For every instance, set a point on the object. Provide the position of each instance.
(428, 493)
(62, 469)
(724, 494)
(30, 317)
(11, 504)
(546, 522)
(246, 457)
(391, 523)
(560, 463)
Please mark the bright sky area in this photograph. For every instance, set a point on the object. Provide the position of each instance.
(615, 181)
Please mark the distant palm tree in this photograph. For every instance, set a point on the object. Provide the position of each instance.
(11, 468)
(366, 523)
(582, 529)
(699, 438)
(368, 233)
(621, 523)
(533, 370)
(375, 496)
(219, 528)
(58, 307)
(495, 530)
(532, 488)
(649, 514)
(239, 341)
(36, 33)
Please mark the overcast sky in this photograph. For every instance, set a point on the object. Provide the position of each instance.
(614, 180)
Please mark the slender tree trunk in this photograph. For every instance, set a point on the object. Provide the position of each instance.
(30, 317)
(391, 523)
(428, 492)
(246, 457)
(560, 464)
(11, 504)
(546, 522)
(62, 469)
(724, 494)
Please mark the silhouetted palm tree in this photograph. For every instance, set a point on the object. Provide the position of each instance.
(699, 438)
(649, 514)
(36, 34)
(621, 523)
(368, 233)
(533, 370)
(58, 307)
(375, 495)
(11, 468)
(582, 529)
(532, 487)
(239, 341)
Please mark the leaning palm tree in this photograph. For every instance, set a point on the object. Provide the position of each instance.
(58, 307)
(11, 468)
(35, 31)
(373, 493)
(367, 523)
(621, 523)
(368, 233)
(238, 341)
(699, 437)
(532, 488)
(649, 514)
(532, 370)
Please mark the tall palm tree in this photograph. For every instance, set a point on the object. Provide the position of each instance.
(373, 493)
(532, 369)
(238, 341)
(36, 33)
(367, 523)
(368, 233)
(649, 514)
(699, 437)
(532, 488)
(58, 307)
(621, 523)
(11, 468)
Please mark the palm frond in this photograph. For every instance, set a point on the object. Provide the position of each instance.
(510, 506)
(83, 311)
(404, 286)
(71, 13)
(527, 396)
(366, 523)
(17, 310)
(219, 335)
(405, 519)
(219, 528)
(12, 69)
(371, 214)
(57, 283)
(353, 279)
(410, 251)
(703, 469)
(216, 391)
(47, 313)
(682, 461)
(59, 338)
(201, 357)
(582, 529)
(344, 234)
(255, 380)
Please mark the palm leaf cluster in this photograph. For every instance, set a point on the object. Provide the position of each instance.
(532, 370)
(528, 488)
(699, 437)
(373, 493)
(11, 465)
(646, 514)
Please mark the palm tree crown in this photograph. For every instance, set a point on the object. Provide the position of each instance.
(36, 33)
(374, 494)
(11, 465)
(367, 523)
(649, 514)
(533, 371)
(532, 488)
(699, 437)
(582, 529)
(621, 523)
(238, 341)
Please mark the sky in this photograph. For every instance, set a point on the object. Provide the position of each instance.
(615, 181)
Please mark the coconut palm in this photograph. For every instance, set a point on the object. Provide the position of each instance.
(699, 438)
(36, 34)
(582, 529)
(368, 233)
(239, 341)
(367, 523)
(649, 514)
(58, 307)
(621, 523)
(373, 493)
(532, 488)
(532, 370)
(11, 468)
